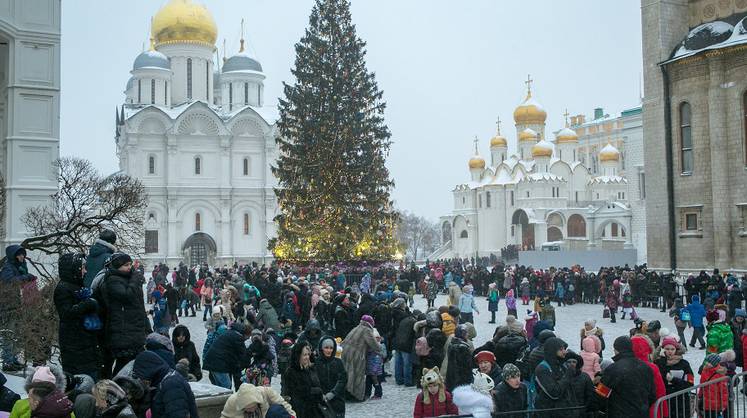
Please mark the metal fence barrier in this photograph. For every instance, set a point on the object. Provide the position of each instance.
(718, 398)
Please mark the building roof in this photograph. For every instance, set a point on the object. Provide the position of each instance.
(719, 34)
(241, 62)
(268, 113)
(151, 59)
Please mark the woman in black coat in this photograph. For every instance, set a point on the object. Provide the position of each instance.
(332, 375)
(301, 383)
(552, 380)
(79, 353)
(184, 348)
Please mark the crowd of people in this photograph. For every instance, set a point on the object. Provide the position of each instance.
(331, 333)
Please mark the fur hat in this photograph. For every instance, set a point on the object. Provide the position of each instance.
(482, 383)
(510, 371)
(728, 355)
(432, 376)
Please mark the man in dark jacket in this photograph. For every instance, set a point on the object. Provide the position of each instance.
(14, 274)
(628, 383)
(184, 348)
(126, 323)
(100, 251)
(311, 334)
(173, 398)
(79, 352)
(511, 394)
(226, 357)
(404, 342)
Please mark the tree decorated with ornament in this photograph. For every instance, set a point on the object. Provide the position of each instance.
(334, 187)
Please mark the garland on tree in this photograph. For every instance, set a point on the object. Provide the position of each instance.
(334, 188)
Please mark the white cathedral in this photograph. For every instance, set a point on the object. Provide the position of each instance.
(201, 140)
(540, 195)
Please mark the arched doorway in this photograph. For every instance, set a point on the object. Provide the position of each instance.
(520, 221)
(199, 249)
(576, 226)
(446, 232)
(554, 234)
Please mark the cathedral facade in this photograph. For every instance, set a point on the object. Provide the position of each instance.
(543, 194)
(197, 134)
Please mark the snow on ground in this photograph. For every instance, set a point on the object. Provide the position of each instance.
(398, 401)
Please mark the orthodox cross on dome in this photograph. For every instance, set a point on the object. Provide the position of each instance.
(565, 115)
(476, 141)
(498, 125)
(241, 49)
(224, 51)
(529, 84)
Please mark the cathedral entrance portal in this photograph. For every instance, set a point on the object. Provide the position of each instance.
(522, 228)
(199, 249)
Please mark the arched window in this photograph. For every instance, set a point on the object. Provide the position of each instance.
(686, 139)
(139, 91)
(246, 93)
(152, 91)
(165, 93)
(189, 78)
(576, 226)
(246, 166)
(198, 166)
(487, 199)
(198, 222)
(151, 165)
(246, 224)
(463, 234)
(614, 229)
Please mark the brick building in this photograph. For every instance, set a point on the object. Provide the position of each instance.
(695, 133)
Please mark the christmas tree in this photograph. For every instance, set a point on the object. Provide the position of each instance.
(334, 188)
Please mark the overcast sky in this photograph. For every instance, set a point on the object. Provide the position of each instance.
(448, 69)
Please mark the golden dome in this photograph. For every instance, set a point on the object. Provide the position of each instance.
(609, 153)
(530, 112)
(542, 149)
(476, 162)
(527, 135)
(565, 136)
(184, 21)
(498, 141)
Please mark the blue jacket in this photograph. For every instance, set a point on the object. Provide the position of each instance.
(97, 255)
(697, 311)
(12, 269)
(173, 397)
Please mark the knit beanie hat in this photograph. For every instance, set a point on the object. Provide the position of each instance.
(368, 318)
(43, 374)
(623, 344)
(669, 341)
(739, 312)
(510, 371)
(712, 359)
(118, 260)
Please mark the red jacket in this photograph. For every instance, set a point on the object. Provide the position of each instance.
(715, 396)
(435, 408)
(642, 351)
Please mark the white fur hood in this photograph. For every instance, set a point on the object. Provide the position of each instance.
(472, 402)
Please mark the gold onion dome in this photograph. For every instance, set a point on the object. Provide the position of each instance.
(477, 162)
(498, 141)
(566, 135)
(527, 135)
(542, 149)
(529, 112)
(609, 153)
(184, 21)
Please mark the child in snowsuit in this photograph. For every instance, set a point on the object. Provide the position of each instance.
(374, 369)
(713, 400)
(592, 364)
(434, 400)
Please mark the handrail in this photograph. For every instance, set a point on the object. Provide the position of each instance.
(658, 409)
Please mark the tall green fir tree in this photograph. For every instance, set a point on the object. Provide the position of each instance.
(334, 187)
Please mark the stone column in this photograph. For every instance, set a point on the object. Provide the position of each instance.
(720, 193)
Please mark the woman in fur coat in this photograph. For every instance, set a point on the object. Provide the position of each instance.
(358, 342)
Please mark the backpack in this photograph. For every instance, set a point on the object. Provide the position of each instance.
(421, 347)
(684, 315)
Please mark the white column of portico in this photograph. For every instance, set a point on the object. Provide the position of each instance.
(224, 251)
(172, 207)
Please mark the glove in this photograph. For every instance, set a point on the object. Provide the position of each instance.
(328, 396)
(83, 293)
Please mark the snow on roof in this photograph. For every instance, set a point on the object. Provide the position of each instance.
(543, 177)
(268, 113)
(608, 180)
(709, 36)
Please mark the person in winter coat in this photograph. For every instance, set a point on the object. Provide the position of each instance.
(592, 361)
(111, 401)
(7, 397)
(511, 304)
(510, 394)
(677, 374)
(161, 345)
(581, 389)
(312, 334)
(255, 402)
(591, 329)
(46, 401)
(51, 379)
(697, 313)
(14, 275)
(404, 343)
(126, 323)
(360, 340)
(301, 384)
(227, 356)
(207, 293)
(642, 351)
(431, 291)
(267, 315)
(551, 378)
(485, 361)
(79, 353)
(713, 400)
(173, 398)
(627, 384)
(343, 318)
(433, 400)
(493, 298)
(719, 337)
(459, 371)
(475, 399)
(99, 252)
(738, 324)
(466, 305)
(332, 375)
(184, 348)
(455, 293)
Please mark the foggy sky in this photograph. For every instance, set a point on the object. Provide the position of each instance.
(448, 69)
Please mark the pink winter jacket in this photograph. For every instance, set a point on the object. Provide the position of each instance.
(591, 358)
